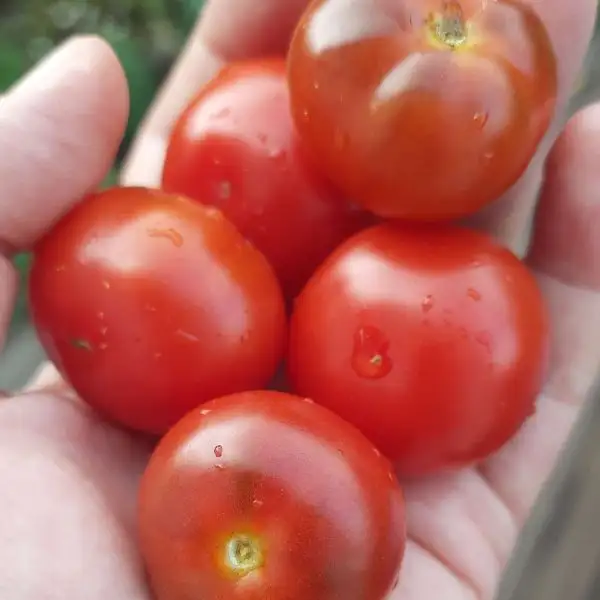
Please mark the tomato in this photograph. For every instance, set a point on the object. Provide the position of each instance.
(431, 339)
(422, 109)
(235, 147)
(266, 495)
(150, 304)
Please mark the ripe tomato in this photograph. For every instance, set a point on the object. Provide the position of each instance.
(422, 109)
(432, 340)
(263, 496)
(150, 304)
(236, 147)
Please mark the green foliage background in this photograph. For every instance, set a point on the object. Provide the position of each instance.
(146, 35)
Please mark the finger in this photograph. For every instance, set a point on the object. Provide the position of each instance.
(565, 247)
(571, 27)
(236, 29)
(227, 30)
(564, 254)
(68, 503)
(60, 128)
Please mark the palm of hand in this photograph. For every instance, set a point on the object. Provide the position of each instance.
(67, 511)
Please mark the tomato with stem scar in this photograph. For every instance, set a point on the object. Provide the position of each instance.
(422, 109)
(267, 495)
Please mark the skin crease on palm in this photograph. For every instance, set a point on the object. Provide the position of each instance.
(67, 508)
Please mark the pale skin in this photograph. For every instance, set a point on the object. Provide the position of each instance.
(67, 507)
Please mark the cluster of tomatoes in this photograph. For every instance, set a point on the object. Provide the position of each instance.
(289, 345)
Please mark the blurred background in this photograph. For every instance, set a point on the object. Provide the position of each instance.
(147, 35)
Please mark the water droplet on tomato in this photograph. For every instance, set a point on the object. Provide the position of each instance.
(218, 450)
(474, 294)
(427, 304)
(277, 154)
(480, 118)
(485, 339)
(370, 356)
(168, 234)
(257, 503)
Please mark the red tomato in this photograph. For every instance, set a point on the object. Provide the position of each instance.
(235, 147)
(150, 304)
(263, 496)
(422, 109)
(433, 341)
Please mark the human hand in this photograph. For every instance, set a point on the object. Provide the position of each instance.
(68, 503)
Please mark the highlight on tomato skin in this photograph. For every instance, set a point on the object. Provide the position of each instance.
(235, 147)
(150, 304)
(267, 495)
(422, 109)
(433, 340)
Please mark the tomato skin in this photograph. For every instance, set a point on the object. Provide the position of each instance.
(410, 126)
(322, 505)
(235, 147)
(150, 304)
(433, 340)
